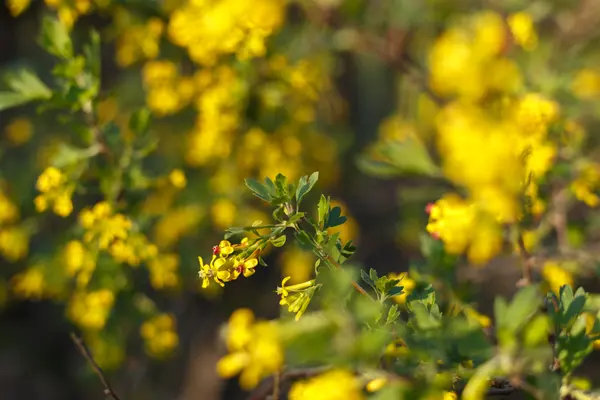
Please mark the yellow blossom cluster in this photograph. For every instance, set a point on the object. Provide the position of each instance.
(296, 297)
(166, 90)
(29, 284)
(215, 28)
(492, 136)
(137, 40)
(70, 10)
(112, 232)
(331, 385)
(226, 265)
(219, 109)
(55, 191)
(164, 271)
(79, 262)
(159, 334)
(587, 183)
(90, 310)
(14, 238)
(254, 349)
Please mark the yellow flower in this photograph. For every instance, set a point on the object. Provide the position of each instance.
(50, 179)
(556, 276)
(16, 7)
(244, 267)
(333, 385)
(8, 210)
(297, 264)
(29, 284)
(586, 84)
(296, 297)
(450, 396)
(14, 243)
(523, 30)
(254, 349)
(163, 271)
(223, 213)
(159, 335)
(376, 384)
(178, 179)
(91, 310)
(19, 131)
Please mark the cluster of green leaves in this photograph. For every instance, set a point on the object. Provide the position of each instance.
(429, 343)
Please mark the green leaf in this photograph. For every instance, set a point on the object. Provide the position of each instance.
(279, 242)
(139, 122)
(92, 54)
(69, 155)
(365, 277)
(393, 314)
(55, 38)
(234, 231)
(396, 290)
(322, 210)
(575, 308)
(27, 83)
(525, 303)
(400, 157)
(335, 218)
(282, 187)
(423, 317)
(304, 240)
(305, 185)
(258, 189)
(10, 99)
(373, 275)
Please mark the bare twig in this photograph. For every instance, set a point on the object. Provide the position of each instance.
(527, 261)
(88, 356)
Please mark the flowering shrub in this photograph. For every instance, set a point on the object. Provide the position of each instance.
(492, 112)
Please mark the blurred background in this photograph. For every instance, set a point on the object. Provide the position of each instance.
(235, 89)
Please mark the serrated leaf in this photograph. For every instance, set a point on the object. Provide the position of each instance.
(11, 99)
(258, 189)
(55, 38)
(26, 83)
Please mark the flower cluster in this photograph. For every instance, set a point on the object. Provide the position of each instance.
(56, 191)
(14, 238)
(212, 29)
(297, 297)
(229, 261)
(493, 140)
(254, 349)
(137, 40)
(335, 384)
(90, 310)
(159, 335)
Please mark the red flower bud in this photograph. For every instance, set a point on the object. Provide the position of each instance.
(216, 250)
(428, 208)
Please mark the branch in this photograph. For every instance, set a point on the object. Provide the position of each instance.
(527, 261)
(88, 356)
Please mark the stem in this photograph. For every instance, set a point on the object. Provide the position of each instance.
(527, 261)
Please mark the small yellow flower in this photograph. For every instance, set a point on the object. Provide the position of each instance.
(19, 131)
(523, 30)
(376, 384)
(178, 179)
(556, 276)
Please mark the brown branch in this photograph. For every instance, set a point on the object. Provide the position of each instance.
(108, 391)
(527, 262)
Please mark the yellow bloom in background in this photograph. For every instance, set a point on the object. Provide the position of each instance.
(164, 271)
(297, 264)
(19, 131)
(91, 310)
(474, 315)
(178, 179)
(586, 84)
(223, 213)
(409, 285)
(450, 396)
(16, 7)
(8, 210)
(14, 243)
(333, 385)
(30, 284)
(160, 336)
(523, 30)
(587, 183)
(137, 41)
(349, 229)
(556, 276)
(254, 349)
(176, 223)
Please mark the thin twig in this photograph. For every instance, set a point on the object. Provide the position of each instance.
(276, 383)
(88, 356)
(527, 261)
